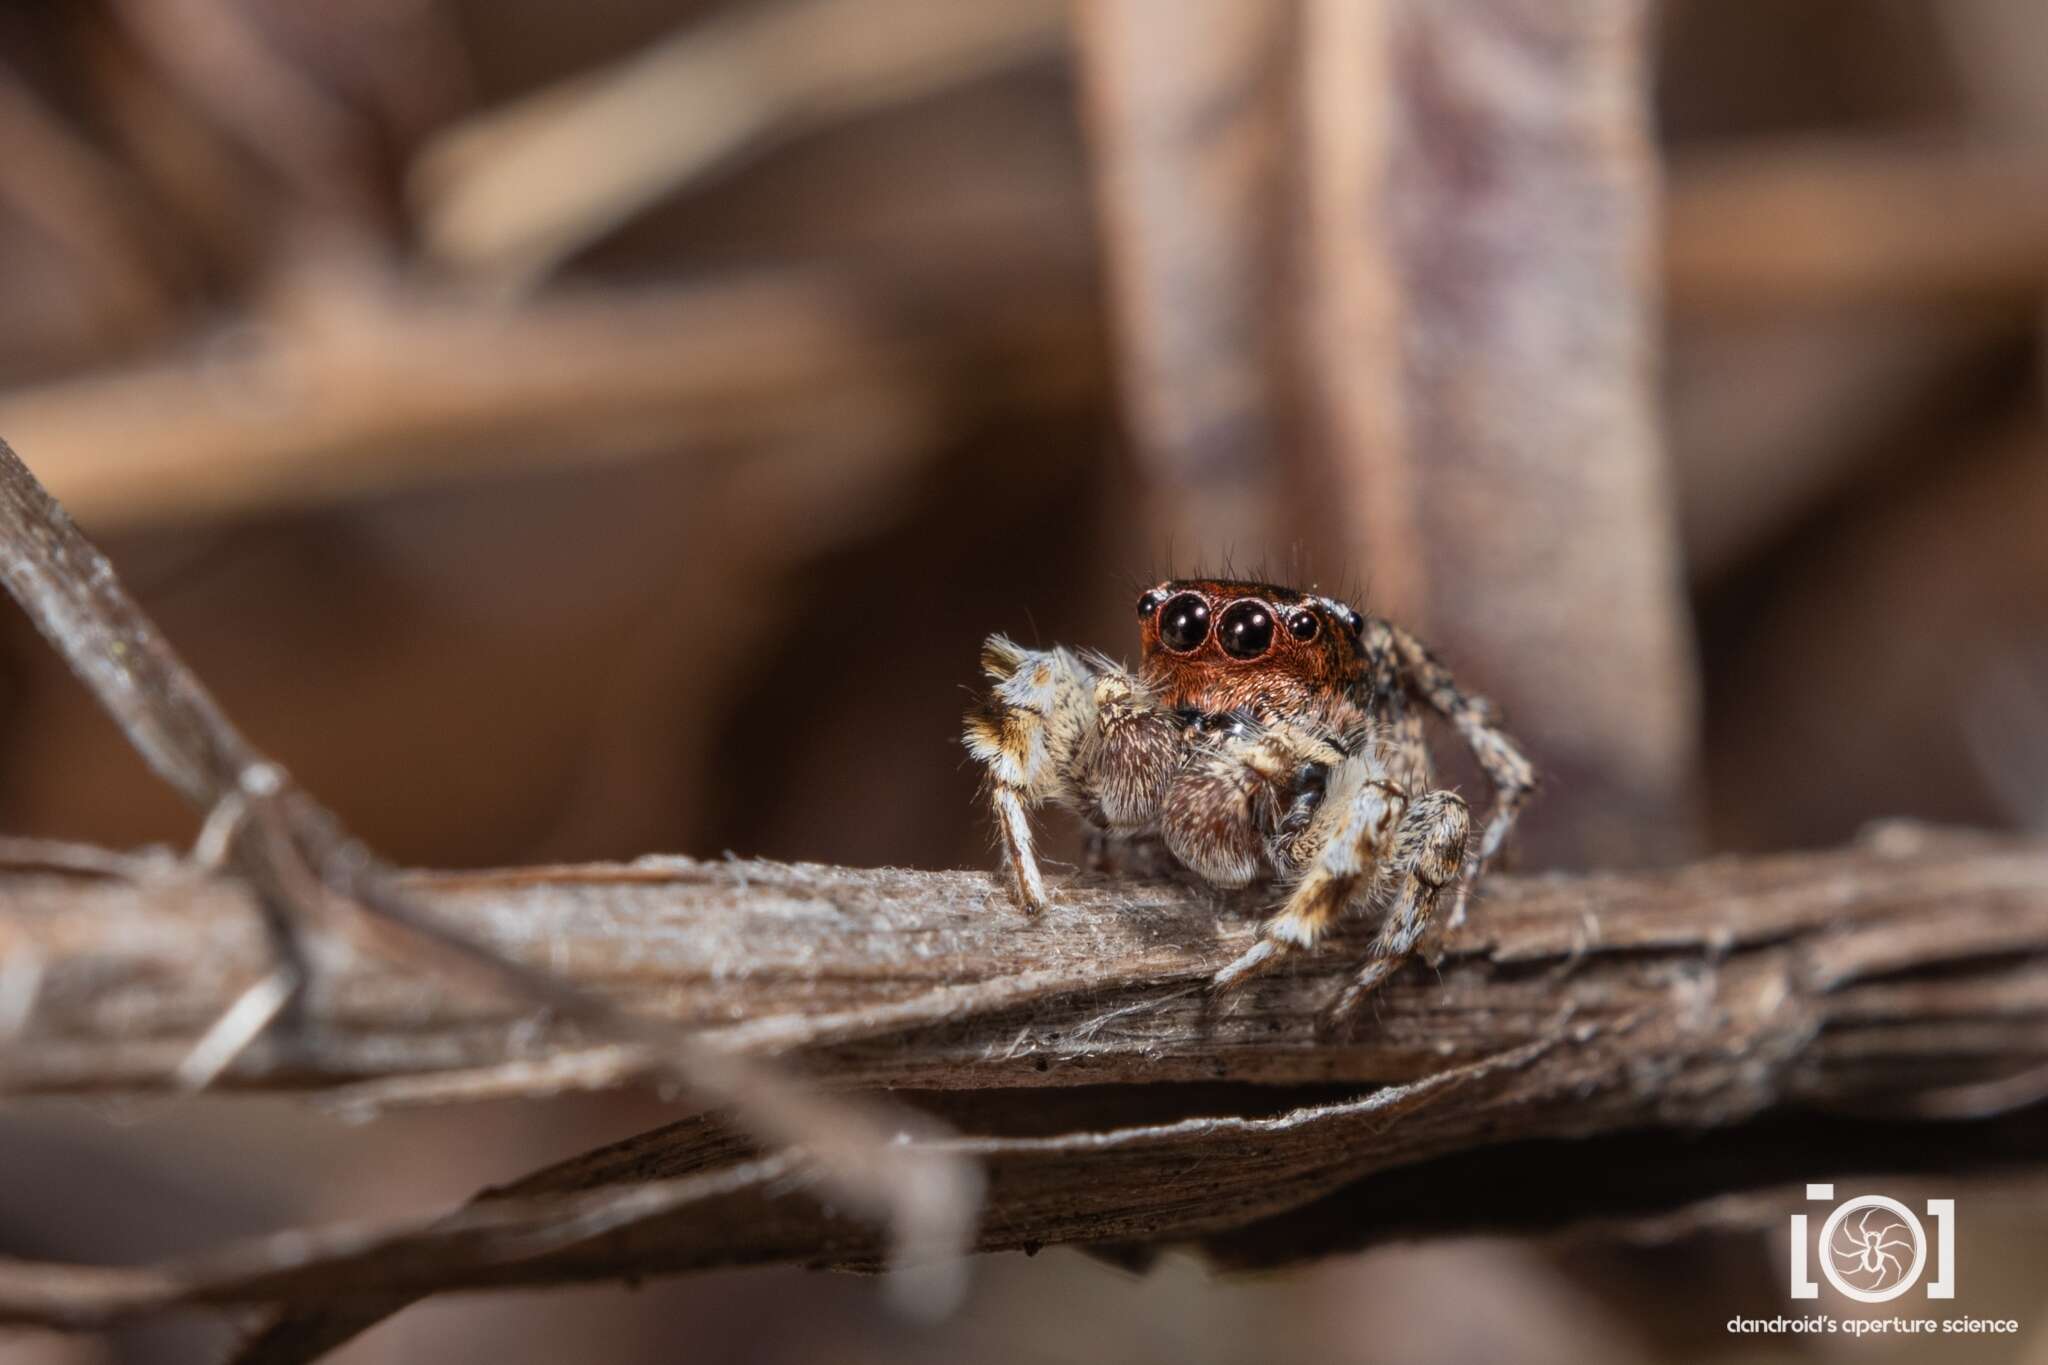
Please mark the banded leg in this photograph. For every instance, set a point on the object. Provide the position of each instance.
(1019, 733)
(1507, 769)
(1057, 727)
(1428, 855)
(1341, 849)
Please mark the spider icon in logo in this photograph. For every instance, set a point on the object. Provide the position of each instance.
(1872, 1248)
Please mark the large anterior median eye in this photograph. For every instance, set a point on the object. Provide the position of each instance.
(1184, 623)
(1246, 630)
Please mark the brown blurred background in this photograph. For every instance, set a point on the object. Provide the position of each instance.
(568, 432)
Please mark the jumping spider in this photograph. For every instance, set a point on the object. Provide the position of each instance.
(1267, 733)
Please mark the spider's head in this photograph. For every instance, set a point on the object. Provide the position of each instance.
(1219, 645)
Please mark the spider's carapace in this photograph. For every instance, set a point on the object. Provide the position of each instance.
(1216, 645)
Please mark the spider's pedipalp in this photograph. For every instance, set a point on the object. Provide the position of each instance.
(1063, 728)
(1222, 802)
(1127, 758)
(1016, 733)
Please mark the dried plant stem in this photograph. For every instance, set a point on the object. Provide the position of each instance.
(1893, 971)
(1902, 981)
(304, 872)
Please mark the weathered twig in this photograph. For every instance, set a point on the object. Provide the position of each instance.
(264, 103)
(508, 194)
(1349, 323)
(1125, 1187)
(1186, 112)
(1144, 1184)
(83, 205)
(1529, 351)
(1842, 224)
(304, 871)
(1675, 1186)
(1890, 972)
(377, 393)
(1901, 980)
(1908, 976)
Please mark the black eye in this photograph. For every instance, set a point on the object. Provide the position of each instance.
(1184, 623)
(1303, 625)
(1149, 603)
(1246, 630)
(1354, 623)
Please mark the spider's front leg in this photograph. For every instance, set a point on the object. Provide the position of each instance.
(1367, 841)
(1337, 854)
(1057, 727)
(1428, 855)
(1507, 769)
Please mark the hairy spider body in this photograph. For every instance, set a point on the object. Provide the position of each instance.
(1268, 734)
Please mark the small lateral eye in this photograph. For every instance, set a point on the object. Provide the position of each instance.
(1354, 623)
(1184, 623)
(1149, 602)
(1302, 625)
(1246, 630)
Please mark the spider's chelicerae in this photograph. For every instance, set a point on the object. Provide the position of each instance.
(1267, 734)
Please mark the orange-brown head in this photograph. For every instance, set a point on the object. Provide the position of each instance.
(1216, 645)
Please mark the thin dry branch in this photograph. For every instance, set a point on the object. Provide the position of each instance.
(1148, 1181)
(508, 194)
(84, 206)
(1891, 972)
(1844, 224)
(220, 61)
(1903, 980)
(1909, 976)
(1126, 1188)
(1185, 106)
(357, 391)
(1381, 273)
(304, 872)
(1523, 198)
